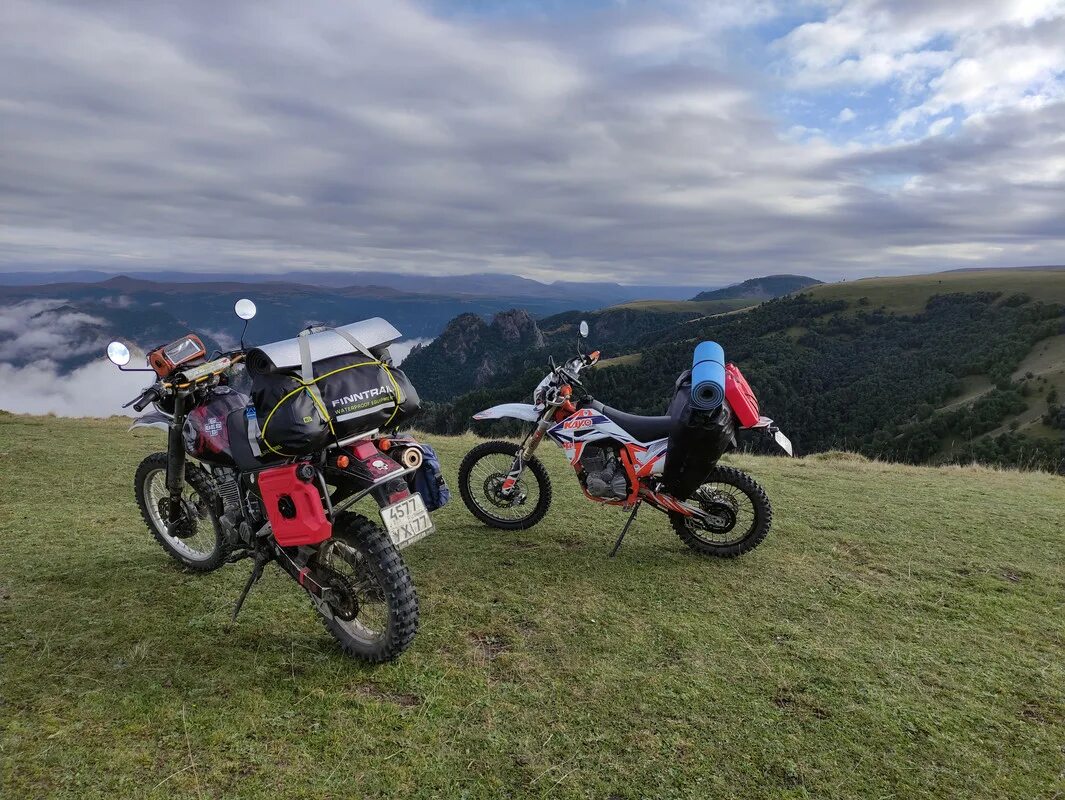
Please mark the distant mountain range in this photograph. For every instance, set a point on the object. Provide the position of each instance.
(570, 294)
(150, 312)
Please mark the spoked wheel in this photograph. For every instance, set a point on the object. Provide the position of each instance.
(196, 542)
(481, 482)
(736, 515)
(372, 609)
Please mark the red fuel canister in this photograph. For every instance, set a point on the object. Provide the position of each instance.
(740, 397)
(294, 507)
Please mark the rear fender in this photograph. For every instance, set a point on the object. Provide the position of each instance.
(372, 472)
(522, 411)
(783, 442)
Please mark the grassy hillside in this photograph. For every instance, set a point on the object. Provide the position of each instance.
(764, 288)
(908, 294)
(692, 307)
(899, 634)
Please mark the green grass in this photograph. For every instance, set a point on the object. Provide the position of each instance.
(617, 361)
(900, 634)
(705, 307)
(908, 294)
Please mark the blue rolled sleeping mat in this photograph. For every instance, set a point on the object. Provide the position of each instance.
(708, 376)
(700, 435)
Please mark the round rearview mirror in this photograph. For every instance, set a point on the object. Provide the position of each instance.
(244, 308)
(118, 354)
(584, 329)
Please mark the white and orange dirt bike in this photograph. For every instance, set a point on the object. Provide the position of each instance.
(668, 462)
(226, 490)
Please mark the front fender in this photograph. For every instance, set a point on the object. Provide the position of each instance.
(523, 411)
(153, 419)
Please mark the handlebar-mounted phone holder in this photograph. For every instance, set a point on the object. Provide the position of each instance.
(164, 360)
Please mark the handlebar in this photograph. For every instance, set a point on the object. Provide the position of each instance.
(187, 377)
(149, 397)
(182, 381)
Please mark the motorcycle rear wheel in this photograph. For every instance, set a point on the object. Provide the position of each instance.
(201, 549)
(481, 475)
(381, 617)
(740, 509)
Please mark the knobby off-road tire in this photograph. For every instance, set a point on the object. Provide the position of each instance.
(483, 467)
(385, 583)
(749, 531)
(202, 552)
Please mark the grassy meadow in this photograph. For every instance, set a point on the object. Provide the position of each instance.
(901, 633)
(908, 294)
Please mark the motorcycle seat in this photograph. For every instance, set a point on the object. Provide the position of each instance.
(240, 447)
(644, 429)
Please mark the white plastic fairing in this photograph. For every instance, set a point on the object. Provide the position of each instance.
(522, 411)
(153, 419)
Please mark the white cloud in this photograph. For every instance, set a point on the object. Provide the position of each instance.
(980, 57)
(614, 145)
(846, 115)
(97, 389)
(44, 328)
(401, 349)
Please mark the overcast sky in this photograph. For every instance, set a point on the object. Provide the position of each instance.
(701, 142)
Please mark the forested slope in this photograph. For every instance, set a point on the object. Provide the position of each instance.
(909, 371)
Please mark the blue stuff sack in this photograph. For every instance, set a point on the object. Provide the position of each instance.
(429, 480)
(708, 376)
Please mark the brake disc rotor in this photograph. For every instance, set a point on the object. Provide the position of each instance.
(186, 526)
(493, 490)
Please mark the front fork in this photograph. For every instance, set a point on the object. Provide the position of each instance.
(525, 452)
(175, 460)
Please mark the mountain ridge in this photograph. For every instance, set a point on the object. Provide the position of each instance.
(763, 288)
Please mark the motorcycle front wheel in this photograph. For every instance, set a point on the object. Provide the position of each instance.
(197, 543)
(375, 615)
(481, 476)
(737, 512)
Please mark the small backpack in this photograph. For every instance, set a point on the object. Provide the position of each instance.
(429, 480)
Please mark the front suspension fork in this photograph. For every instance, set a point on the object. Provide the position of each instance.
(525, 452)
(175, 460)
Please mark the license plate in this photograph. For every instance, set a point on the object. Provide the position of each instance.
(784, 442)
(407, 521)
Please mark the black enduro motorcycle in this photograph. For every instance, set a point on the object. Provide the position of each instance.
(221, 492)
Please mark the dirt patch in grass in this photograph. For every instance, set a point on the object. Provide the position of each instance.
(490, 646)
(1043, 710)
(401, 699)
(1012, 575)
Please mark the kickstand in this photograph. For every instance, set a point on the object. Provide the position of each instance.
(256, 573)
(632, 516)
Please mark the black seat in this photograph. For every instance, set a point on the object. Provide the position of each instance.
(240, 447)
(645, 429)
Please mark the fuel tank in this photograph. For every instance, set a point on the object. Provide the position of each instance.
(206, 434)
